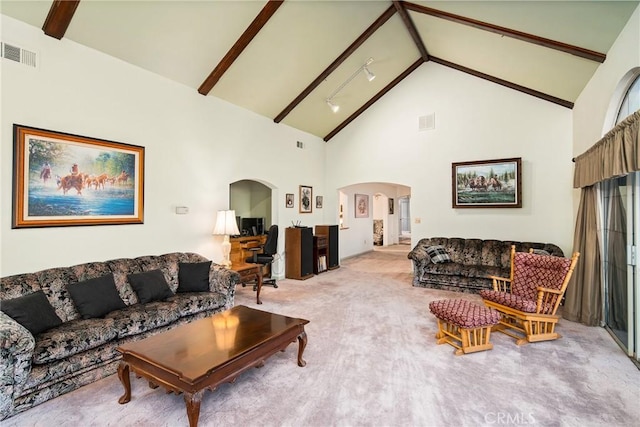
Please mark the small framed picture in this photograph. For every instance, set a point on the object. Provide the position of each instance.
(318, 202)
(306, 196)
(362, 206)
(390, 206)
(289, 200)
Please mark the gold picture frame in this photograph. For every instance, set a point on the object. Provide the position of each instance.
(60, 179)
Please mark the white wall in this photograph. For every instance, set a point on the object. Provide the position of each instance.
(195, 146)
(591, 107)
(475, 120)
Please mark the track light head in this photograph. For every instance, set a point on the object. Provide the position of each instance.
(334, 107)
(368, 73)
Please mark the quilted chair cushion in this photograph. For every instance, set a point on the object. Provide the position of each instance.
(510, 300)
(71, 338)
(464, 313)
(136, 319)
(531, 271)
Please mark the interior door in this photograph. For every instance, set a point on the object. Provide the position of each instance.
(405, 216)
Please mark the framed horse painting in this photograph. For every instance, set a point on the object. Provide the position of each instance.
(61, 179)
(487, 184)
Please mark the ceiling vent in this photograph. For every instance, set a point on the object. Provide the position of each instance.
(427, 122)
(17, 54)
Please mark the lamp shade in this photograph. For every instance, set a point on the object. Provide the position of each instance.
(226, 223)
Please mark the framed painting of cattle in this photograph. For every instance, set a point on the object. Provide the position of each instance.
(487, 183)
(61, 179)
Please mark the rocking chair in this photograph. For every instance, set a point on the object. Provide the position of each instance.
(529, 299)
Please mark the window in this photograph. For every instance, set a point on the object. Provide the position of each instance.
(631, 101)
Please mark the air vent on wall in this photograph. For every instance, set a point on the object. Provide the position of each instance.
(17, 54)
(300, 144)
(427, 122)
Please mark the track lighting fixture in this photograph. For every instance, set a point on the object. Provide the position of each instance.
(368, 73)
(334, 107)
(370, 76)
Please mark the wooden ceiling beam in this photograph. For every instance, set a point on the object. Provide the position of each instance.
(59, 17)
(252, 30)
(408, 22)
(530, 38)
(335, 64)
(377, 96)
(519, 88)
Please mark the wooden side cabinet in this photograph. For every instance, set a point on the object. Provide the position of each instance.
(319, 254)
(331, 233)
(298, 249)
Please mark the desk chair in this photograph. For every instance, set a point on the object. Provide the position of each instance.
(266, 257)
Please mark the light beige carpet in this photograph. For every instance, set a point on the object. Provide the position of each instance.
(372, 361)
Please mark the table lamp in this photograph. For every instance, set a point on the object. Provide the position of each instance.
(225, 226)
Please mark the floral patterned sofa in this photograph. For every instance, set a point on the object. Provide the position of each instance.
(470, 262)
(80, 350)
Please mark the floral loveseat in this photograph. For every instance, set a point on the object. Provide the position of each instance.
(464, 265)
(82, 347)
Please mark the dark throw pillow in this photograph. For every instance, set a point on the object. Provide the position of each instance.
(438, 254)
(193, 276)
(32, 311)
(96, 297)
(150, 286)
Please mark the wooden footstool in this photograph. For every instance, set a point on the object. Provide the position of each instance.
(464, 325)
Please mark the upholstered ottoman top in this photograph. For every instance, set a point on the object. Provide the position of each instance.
(463, 313)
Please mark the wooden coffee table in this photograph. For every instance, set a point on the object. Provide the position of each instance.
(205, 353)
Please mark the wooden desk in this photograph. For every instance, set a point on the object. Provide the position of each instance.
(248, 274)
(241, 248)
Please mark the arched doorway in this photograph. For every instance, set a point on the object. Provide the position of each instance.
(252, 201)
(357, 231)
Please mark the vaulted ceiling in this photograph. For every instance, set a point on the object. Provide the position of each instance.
(284, 59)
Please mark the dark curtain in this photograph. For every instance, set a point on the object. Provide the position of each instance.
(583, 297)
(616, 154)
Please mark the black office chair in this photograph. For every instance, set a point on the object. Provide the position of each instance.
(266, 257)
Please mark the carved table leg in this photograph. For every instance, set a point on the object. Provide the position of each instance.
(302, 343)
(193, 407)
(259, 284)
(123, 374)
